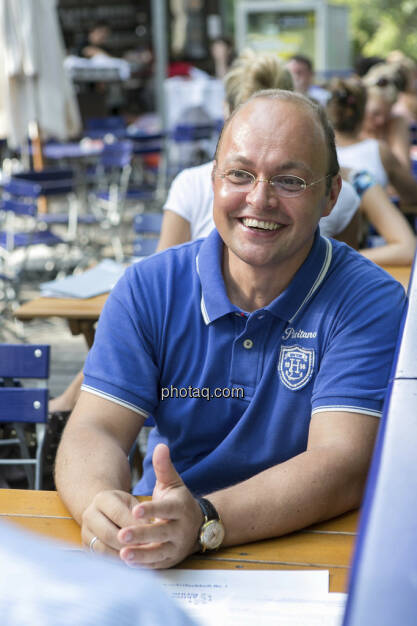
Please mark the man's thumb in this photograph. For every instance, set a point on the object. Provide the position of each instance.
(165, 472)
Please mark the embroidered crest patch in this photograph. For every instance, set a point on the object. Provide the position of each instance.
(295, 366)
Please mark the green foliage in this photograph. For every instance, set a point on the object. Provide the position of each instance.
(379, 26)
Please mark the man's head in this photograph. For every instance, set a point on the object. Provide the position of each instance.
(301, 70)
(275, 133)
(346, 104)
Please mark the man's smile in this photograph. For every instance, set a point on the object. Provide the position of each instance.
(252, 222)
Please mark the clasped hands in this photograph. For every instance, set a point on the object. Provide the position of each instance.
(154, 534)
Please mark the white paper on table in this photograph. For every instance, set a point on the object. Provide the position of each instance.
(236, 597)
(100, 279)
(239, 610)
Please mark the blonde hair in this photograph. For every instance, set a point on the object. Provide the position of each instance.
(252, 72)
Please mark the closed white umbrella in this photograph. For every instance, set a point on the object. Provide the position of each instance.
(33, 83)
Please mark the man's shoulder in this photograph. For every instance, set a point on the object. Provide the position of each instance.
(360, 272)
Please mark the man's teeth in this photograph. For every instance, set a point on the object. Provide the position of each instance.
(250, 221)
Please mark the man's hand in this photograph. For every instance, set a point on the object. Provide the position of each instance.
(109, 512)
(165, 529)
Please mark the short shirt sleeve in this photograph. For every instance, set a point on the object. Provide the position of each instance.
(356, 364)
(122, 366)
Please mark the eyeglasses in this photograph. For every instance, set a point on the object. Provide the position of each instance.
(285, 185)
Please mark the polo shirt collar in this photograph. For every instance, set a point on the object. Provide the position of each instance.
(305, 282)
(215, 302)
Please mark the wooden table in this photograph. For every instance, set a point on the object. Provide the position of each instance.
(81, 314)
(400, 272)
(324, 546)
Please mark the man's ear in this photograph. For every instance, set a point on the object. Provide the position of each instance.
(333, 194)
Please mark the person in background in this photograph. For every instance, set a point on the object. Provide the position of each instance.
(222, 55)
(383, 84)
(406, 104)
(346, 110)
(302, 325)
(301, 70)
(396, 242)
(96, 41)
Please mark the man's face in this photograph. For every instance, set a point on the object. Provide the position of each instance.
(301, 75)
(269, 137)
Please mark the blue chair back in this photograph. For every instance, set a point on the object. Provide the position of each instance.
(18, 403)
(48, 182)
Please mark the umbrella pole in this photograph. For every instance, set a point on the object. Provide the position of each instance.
(37, 157)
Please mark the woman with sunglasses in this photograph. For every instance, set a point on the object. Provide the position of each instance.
(383, 83)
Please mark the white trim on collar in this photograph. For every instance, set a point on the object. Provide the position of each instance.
(202, 303)
(319, 279)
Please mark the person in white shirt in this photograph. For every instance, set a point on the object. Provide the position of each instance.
(346, 110)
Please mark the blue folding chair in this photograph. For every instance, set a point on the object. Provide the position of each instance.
(108, 199)
(20, 405)
(52, 183)
(148, 228)
(21, 230)
(114, 193)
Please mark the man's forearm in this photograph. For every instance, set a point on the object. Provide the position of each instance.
(313, 486)
(89, 461)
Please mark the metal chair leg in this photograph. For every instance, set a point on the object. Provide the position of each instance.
(24, 451)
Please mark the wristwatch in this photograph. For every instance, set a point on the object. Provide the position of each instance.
(211, 533)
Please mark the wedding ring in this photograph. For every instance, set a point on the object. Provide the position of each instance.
(92, 542)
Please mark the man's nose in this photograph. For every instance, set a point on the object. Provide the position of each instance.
(262, 192)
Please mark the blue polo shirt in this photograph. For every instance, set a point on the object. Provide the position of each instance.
(325, 344)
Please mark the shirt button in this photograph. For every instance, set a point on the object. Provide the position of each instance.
(248, 344)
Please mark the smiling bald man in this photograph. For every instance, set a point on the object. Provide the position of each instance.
(263, 353)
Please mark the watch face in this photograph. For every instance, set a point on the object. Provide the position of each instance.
(212, 534)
